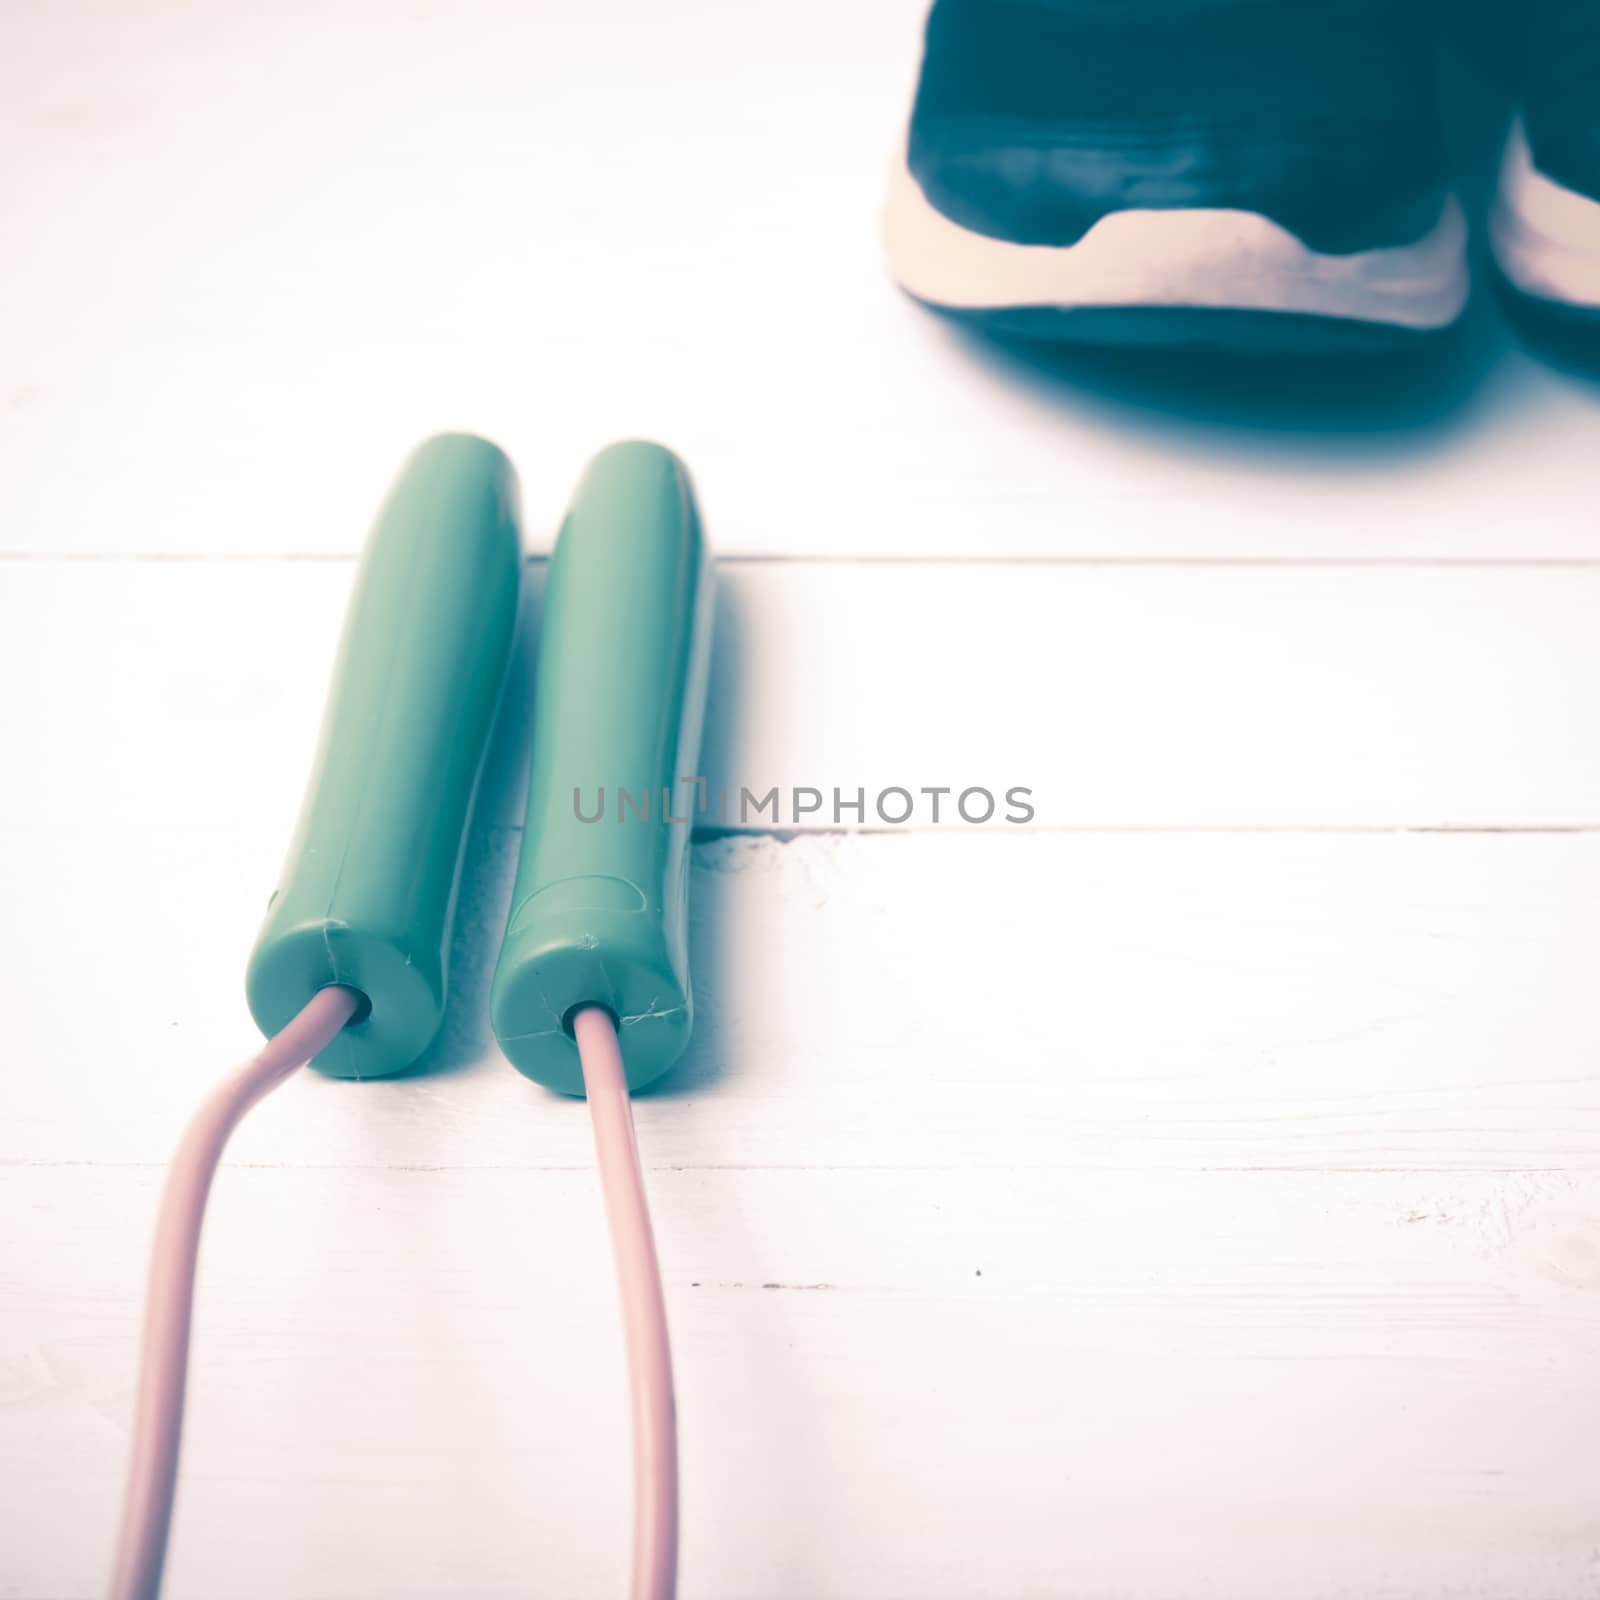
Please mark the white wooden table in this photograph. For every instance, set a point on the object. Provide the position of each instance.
(1195, 1193)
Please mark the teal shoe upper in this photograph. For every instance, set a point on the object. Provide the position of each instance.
(1036, 118)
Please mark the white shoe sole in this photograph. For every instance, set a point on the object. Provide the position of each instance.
(1545, 238)
(1211, 259)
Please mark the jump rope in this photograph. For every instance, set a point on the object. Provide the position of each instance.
(591, 992)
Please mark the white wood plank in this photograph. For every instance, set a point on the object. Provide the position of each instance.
(263, 250)
(1144, 697)
(1118, 1002)
(1251, 1386)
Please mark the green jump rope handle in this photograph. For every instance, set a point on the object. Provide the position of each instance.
(600, 908)
(366, 894)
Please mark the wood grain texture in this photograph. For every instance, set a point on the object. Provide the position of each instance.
(1124, 1002)
(1022, 1194)
(894, 1384)
(1160, 697)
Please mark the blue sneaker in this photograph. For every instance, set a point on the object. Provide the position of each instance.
(1256, 173)
(1544, 229)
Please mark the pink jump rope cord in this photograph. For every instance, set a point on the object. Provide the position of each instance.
(164, 1353)
(169, 1307)
(644, 1310)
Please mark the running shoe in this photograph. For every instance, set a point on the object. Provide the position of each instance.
(1266, 174)
(1544, 228)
